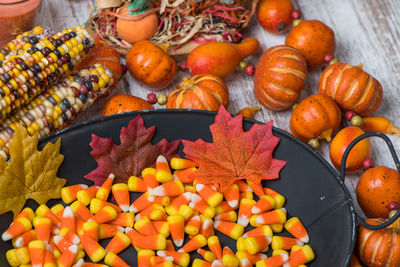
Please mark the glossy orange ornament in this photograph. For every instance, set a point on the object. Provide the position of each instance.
(314, 40)
(275, 15)
(376, 188)
(207, 92)
(358, 154)
(380, 248)
(315, 117)
(123, 103)
(150, 64)
(351, 87)
(279, 77)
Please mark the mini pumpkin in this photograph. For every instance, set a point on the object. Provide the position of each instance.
(351, 87)
(279, 77)
(379, 248)
(315, 117)
(206, 92)
(120, 103)
(150, 64)
(275, 15)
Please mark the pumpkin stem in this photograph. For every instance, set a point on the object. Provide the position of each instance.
(326, 135)
(164, 47)
(360, 65)
(138, 7)
(187, 83)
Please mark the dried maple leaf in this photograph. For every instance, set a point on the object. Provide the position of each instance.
(234, 153)
(130, 157)
(30, 173)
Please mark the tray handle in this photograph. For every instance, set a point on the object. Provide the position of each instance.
(343, 170)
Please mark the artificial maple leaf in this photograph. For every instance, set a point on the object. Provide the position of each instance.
(134, 154)
(30, 173)
(234, 153)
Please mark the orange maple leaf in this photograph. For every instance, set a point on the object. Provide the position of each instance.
(235, 154)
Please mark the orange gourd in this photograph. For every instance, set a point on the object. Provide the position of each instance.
(206, 92)
(275, 15)
(315, 117)
(376, 188)
(123, 103)
(150, 64)
(378, 248)
(358, 154)
(279, 77)
(314, 40)
(136, 29)
(351, 87)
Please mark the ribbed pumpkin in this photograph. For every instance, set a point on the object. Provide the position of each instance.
(351, 87)
(316, 116)
(150, 64)
(279, 77)
(207, 92)
(379, 248)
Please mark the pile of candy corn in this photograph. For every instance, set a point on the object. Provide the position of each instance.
(171, 204)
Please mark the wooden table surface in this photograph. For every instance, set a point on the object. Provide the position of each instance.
(366, 32)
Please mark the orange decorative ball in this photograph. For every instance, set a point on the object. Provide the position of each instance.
(314, 40)
(123, 103)
(351, 87)
(275, 15)
(358, 154)
(136, 30)
(376, 188)
(315, 117)
(206, 92)
(279, 77)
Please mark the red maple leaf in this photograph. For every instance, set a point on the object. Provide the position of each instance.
(234, 153)
(134, 154)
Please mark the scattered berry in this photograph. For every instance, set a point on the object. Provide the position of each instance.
(124, 69)
(349, 115)
(161, 99)
(296, 14)
(152, 98)
(328, 58)
(356, 120)
(367, 164)
(313, 143)
(250, 70)
(183, 66)
(296, 22)
(242, 65)
(393, 206)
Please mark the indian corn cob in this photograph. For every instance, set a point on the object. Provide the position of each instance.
(54, 108)
(27, 74)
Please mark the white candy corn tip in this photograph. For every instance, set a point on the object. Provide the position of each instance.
(169, 258)
(300, 243)
(180, 250)
(127, 229)
(73, 249)
(187, 195)
(196, 218)
(284, 210)
(6, 236)
(246, 262)
(178, 242)
(233, 203)
(159, 191)
(199, 187)
(68, 212)
(37, 265)
(191, 204)
(255, 210)
(243, 221)
(161, 253)
(216, 263)
(263, 256)
(150, 199)
(19, 242)
(79, 263)
(124, 208)
(57, 239)
(111, 176)
(55, 231)
(84, 186)
(195, 198)
(305, 239)
(217, 223)
(161, 158)
(75, 240)
(259, 220)
(287, 264)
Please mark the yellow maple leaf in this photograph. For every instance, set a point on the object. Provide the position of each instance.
(30, 173)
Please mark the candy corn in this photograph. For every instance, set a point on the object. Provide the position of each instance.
(145, 226)
(245, 211)
(37, 251)
(68, 194)
(279, 199)
(183, 199)
(69, 235)
(207, 226)
(228, 258)
(106, 214)
(163, 201)
(262, 230)
(44, 211)
(197, 203)
(277, 228)
(144, 256)
(136, 184)
(114, 261)
(24, 239)
(285, 243)
(223, 207)
(215, 246)
(232, 195)
(109, 230)
(240, 244)
(207, 255)
(93, 249)
(192, 226)
(257, 188)
(61, 243)
(245, 263)
(193, 244)
(302, 255)
(104, 190)
(185, 176)
(252, 258)
(18, 256)
(272, 217)
(121, 194)
(86, 195)
(68, 219)
(19, 226)
(186, 211)
(91, 229)
(163, 172)
(212, 197)
(153, 242)
(229, 216)
(297, 229)
(140, 203)
(171, 189)
(200, 263)
(27, 213)
(233, 230)
(179, 164)
(256, 244)
(265, 203)
(67, 257)
(273, 261)
(42, 228)
(179, 258)
(217, 263)
(162, 227)
(49, 259)
(279, 252)
(177, 228)
(118, 243)
(58, 210)
(80, 209)
(96, 205)
(149, 178)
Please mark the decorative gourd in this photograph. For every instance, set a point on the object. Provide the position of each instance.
(279, 77)
(358, 154)
(315, 117)
(380, 248)
(220, 58)
(207, 92)
(275, 15)
(314, 40)
(351, 87)
(123, 103)
(142, 25)
(376, 188)
(150, 64)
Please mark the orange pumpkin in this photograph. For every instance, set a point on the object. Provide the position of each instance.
(279, 77)
(315, 117)
(380, 248)
(314, 40)
(358, 154)
(123, 103)
(376, 188)
(351, 87)
(275, 15)
(206, 92)
(136, 29)
(150, 64)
